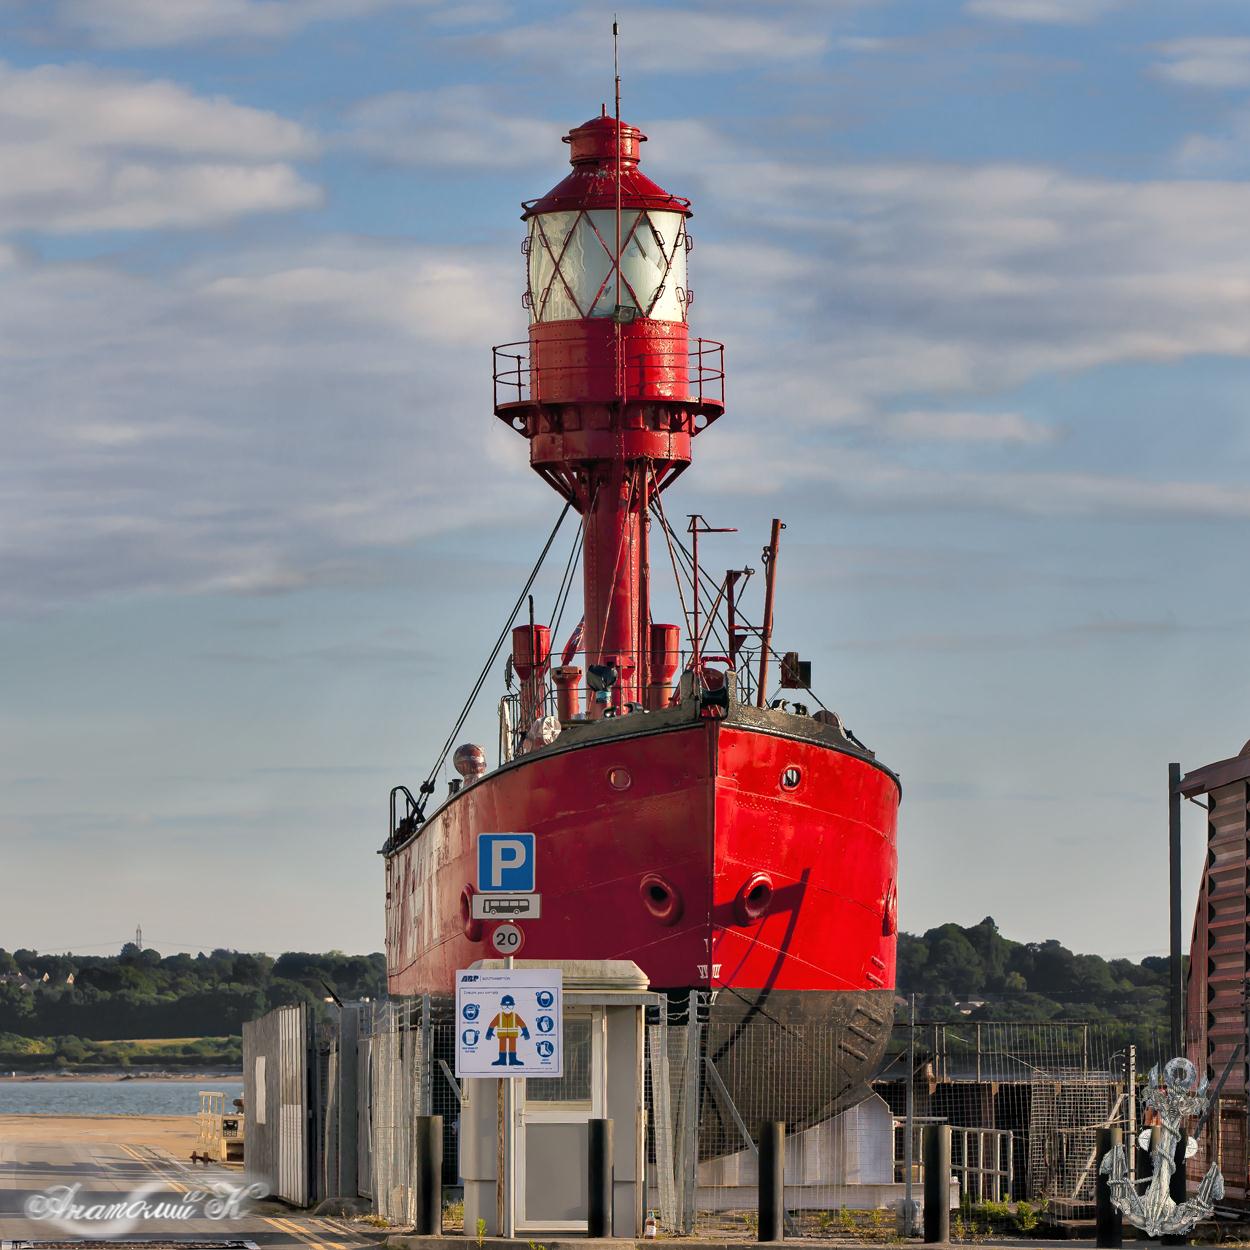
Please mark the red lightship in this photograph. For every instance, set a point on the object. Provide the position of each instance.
(722, 844)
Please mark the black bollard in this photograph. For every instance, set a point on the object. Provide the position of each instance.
(772, 1186)
(937, 1183)
(429, 1147)
(599, 1212)
(1176, 1191)
(1110, 1226)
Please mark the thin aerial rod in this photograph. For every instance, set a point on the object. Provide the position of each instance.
(770, 587)
(688, 560)
(616, 314)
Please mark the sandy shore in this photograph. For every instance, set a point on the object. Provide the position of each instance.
(176, 1133)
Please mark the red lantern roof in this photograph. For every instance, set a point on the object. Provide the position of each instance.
(592, 184)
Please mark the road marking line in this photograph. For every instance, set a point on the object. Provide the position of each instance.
(292, 1229)
(152, 1167)
(343, 1233)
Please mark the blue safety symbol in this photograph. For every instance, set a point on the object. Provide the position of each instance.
(545, 1024)
(469, 1037)
(545, 1049)
(471, 1010)
(544, 998)
(505, 863)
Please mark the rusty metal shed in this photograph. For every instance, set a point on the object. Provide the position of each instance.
(1217, 1006)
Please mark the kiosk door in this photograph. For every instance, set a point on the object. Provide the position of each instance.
(552, 1189)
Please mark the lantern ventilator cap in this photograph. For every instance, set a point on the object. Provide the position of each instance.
(594, 142)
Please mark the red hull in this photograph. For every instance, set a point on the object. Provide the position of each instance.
(705, 816)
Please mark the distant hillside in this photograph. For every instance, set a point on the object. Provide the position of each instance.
(951, 968)
(972, 973)
(141, 994)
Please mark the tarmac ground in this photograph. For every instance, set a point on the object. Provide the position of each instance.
(101, 1164)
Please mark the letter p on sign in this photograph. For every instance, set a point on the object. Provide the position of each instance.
(505, 863)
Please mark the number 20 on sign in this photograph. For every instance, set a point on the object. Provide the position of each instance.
(507, 939)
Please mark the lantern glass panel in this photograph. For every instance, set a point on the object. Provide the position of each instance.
(653, 263)
(572, 274)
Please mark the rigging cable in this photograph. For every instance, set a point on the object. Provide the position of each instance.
(689, 563)
(565, 582)
(657, 509)
(687, 617)
(568, 587)
(427, 787)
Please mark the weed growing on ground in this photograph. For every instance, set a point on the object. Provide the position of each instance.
(1027, 1217)
(481, 1232)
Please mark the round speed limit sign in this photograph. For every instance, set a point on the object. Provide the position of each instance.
(507, 939)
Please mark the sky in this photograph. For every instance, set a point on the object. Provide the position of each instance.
(982, 272)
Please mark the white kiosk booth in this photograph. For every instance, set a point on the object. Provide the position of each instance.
(604, 1055)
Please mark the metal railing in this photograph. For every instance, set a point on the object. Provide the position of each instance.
(982, 1158)
(512, 732)
(517, 380)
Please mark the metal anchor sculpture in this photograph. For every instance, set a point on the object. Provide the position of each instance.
(1178, 1097)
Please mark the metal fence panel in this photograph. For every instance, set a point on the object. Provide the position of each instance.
(276, 1101)
(1024, 1102)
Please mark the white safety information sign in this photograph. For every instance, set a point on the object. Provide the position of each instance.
(510, 1022)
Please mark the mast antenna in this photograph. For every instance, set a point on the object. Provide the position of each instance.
(616, 317)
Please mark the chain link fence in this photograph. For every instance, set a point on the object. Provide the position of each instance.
(1024, 1102)
(406, 1051)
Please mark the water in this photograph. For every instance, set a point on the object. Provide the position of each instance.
(139, 1097)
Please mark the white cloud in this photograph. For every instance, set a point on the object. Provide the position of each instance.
(940, 425)
(247, 425)
(450, 126)
(83, 149)
(754, 465)
(1052, 12)
(1206, 62)
(671, 40)
(165, 23)
(945, 278)
(274, 420)
(1224, 152)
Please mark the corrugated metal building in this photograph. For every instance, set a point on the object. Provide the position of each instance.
(1216, 1007)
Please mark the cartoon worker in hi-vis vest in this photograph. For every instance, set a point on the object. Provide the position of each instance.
(507, 1026)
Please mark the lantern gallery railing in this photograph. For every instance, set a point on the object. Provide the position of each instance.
(701, 370)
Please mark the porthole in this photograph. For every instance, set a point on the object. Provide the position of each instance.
(791, 777)
(619, 778)
(889, 912)
(472, 928)
(753, 899)
(660, 898)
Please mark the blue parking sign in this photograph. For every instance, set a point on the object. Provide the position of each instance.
(505, 863)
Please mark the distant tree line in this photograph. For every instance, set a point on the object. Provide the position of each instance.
(976, 973)
(955, 973)
(142, 994)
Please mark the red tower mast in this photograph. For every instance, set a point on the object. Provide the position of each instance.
(611, 391)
